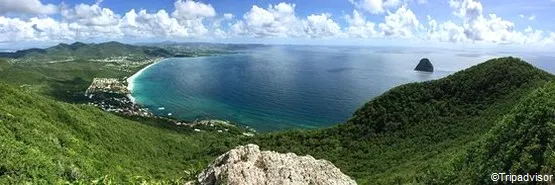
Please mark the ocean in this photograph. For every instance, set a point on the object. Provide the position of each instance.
(291, 87)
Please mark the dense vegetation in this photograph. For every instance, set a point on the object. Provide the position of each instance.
(493, 117)
(44, 141)
(523, 142)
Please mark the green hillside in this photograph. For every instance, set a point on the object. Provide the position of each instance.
(44, 141)
(495, 116)
(84, 51)
(65, 81)
(523, 142)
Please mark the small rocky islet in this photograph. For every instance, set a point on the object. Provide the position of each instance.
(424, 65)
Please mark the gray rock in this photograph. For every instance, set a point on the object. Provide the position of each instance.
(247, 165)
(424, 65)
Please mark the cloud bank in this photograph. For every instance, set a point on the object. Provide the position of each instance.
(197, 20)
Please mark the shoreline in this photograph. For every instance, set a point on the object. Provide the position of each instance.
(131, 80)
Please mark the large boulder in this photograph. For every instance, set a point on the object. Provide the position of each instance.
(425, 65)
(247, 165)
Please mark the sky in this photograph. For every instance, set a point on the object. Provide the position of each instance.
(441, 23)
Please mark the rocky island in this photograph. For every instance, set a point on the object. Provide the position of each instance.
(424, 65)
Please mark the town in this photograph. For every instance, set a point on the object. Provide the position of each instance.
(112, 95)
(108, 85)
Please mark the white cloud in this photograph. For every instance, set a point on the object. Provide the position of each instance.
(26, 7)
(280, 21)
(445, 32)
(401, 23)
(322, 25)
(358, 27)
(34, 29)
(191, 14)
(376, 6)
(90, 21)
(477, 27)
(84, 22)
(190, 10)
(273, 22)
(193, 19)
(159, 24)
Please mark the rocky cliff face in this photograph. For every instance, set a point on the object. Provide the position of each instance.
(247, 165)
(425, 65)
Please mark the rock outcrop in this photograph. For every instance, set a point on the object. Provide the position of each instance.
(424, 65)
(247, 165)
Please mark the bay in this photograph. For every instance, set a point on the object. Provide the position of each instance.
(288, 87)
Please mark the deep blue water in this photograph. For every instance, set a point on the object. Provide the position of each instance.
(285, 87)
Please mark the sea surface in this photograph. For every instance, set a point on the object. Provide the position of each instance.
(289, 87)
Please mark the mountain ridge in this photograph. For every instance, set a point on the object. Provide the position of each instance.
(83, 51)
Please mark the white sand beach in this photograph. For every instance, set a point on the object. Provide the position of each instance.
(131, 80)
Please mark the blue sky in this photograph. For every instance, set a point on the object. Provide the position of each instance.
(350, 22)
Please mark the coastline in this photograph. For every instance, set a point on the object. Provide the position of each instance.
(131, 80)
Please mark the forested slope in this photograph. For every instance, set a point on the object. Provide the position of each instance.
(43, 141)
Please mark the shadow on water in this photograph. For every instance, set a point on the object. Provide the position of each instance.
(423, 76)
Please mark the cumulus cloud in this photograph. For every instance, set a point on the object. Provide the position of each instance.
(190, 10)
(276, 21)
(321, 26)
(280, 21)
(34, 29)
(84, 21)
(359, 27)
(445, 32)
(478, 27)
(158, 24)
(92, 21)
(26, 7)
(401, 23)
(376, 6)
(191, 14)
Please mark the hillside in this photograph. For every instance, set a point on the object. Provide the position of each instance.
(522, 142)
(65, 81)
(493, 116)
(414, 128)
(82, 51)
(48, 142)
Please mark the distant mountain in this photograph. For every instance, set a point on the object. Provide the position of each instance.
(82, 51)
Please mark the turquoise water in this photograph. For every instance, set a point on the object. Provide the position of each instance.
(286, 87)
